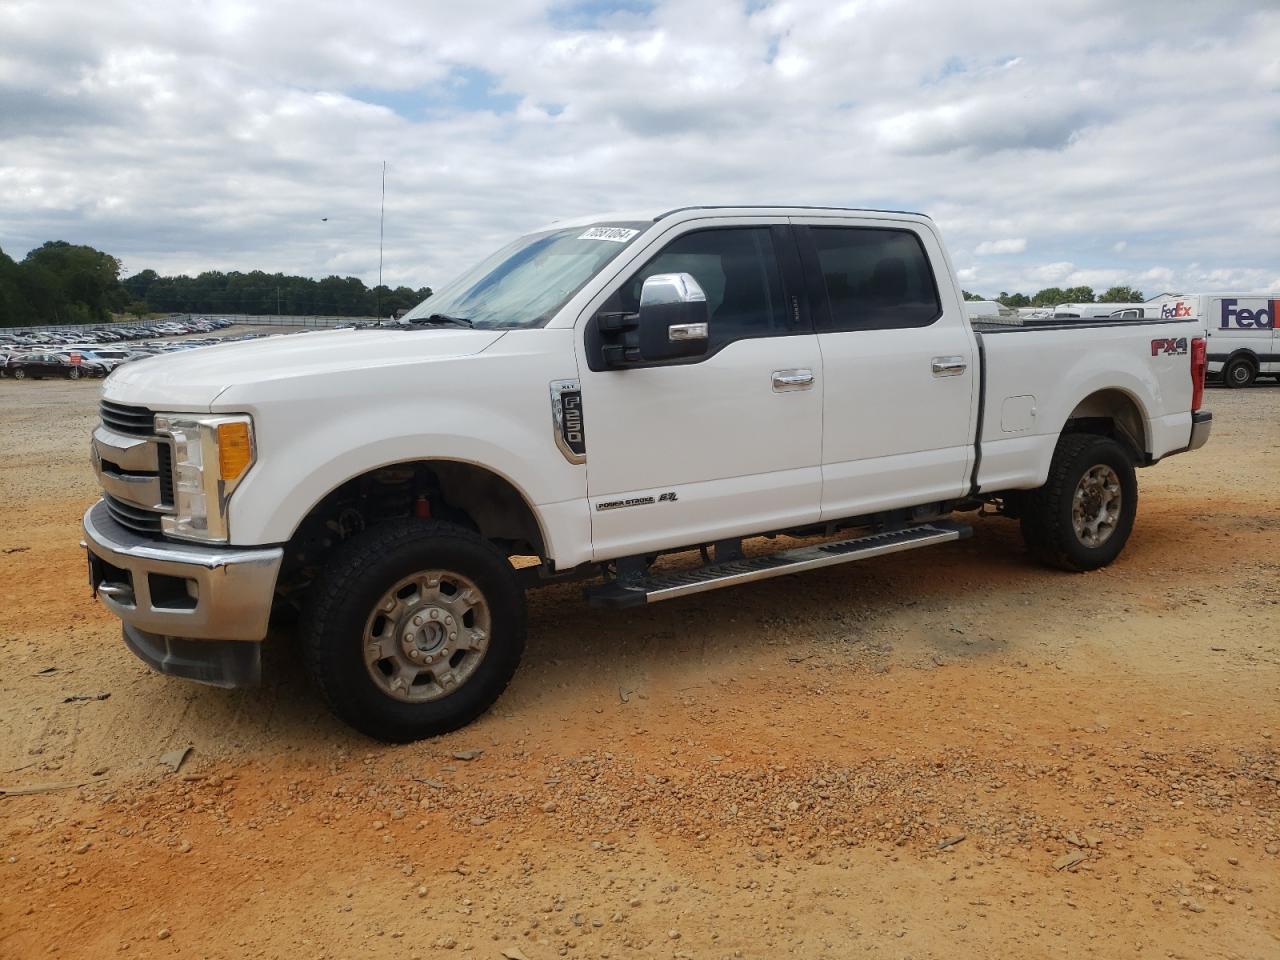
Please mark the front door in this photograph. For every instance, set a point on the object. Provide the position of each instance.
(899, 365)
(728, 444)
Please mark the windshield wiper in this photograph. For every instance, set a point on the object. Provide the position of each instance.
(442, 318)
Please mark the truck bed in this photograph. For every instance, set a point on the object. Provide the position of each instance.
(1039, 376)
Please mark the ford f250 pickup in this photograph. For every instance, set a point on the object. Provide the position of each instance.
(593, 396)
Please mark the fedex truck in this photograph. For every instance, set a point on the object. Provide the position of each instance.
(1241, 329)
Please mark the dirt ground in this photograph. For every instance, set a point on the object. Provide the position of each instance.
(946, 754)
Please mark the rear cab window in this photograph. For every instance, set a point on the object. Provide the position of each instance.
(872, 278)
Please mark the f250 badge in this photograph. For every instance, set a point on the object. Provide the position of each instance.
(1169, 348)
(668, 497)
(566, 420)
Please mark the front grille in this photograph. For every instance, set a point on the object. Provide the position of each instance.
(135, 518)
(164, 457)
(135, 421)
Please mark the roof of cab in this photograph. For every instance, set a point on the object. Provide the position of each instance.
(639, 216)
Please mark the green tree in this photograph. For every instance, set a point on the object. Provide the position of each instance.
(85, 282)
(1078, 295)
(1014, 299)
(1048, 297)
(1122, 295)
(972, 296)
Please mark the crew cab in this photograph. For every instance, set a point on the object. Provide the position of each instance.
(594, 397)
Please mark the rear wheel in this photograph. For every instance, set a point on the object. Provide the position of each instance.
(1240, 372)
(1082, 517)
(414, 629)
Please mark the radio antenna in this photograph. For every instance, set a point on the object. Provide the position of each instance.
(382, 219)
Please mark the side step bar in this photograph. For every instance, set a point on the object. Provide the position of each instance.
(636, 593)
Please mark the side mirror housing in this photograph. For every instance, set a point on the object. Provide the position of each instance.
(673, 318)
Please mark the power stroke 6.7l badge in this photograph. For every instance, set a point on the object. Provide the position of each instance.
(668, 497)
(566, 419)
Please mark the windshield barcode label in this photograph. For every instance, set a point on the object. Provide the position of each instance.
(616, 234)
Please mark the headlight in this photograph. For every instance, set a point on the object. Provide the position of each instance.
(210, 457)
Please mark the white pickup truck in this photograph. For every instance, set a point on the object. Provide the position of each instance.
(593, 396)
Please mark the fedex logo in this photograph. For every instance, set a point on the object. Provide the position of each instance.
(1234, 315)
(1174, 311)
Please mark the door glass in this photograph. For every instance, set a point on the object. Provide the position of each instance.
(876, 279)
(736, 269)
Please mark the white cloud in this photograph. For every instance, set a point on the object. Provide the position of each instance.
(991, 247)
(218, 135)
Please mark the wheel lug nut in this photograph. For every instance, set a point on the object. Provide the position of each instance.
(435, 614)
(452, 637)
(449, 620)
(417, 621)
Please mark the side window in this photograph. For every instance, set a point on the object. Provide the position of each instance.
(737, 270)
(876, 279)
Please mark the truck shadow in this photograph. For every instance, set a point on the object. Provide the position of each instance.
(979, 601)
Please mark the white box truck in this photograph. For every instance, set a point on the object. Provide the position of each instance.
(1241, 331)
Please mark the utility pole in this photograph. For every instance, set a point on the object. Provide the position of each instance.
(382, 219)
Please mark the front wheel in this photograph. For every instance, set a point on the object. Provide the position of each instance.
(414, 629)
(1082, 517)
(19, 374)
(1240, 372)
(73, 373)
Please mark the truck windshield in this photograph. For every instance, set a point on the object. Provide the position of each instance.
(527, 281)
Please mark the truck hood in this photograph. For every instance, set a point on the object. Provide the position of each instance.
(192, 379)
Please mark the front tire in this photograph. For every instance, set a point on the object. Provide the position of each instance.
(19, 374)
(73, 373)
(1240, 372)
(414, 629)
(1082, 517)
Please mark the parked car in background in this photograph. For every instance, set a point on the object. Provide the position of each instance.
(1092, 311)
(88, 365)
(38, 366)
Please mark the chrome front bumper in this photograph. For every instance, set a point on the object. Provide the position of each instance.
(178, 590)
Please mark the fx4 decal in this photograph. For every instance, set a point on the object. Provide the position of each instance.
(1169, 348)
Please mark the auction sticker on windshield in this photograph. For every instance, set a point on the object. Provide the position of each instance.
(616, 234)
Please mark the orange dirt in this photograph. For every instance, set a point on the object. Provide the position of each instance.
(759, 772)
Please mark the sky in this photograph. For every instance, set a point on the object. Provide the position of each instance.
(1059, 143)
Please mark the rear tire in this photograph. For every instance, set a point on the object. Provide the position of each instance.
(374, 635)
(1082, 517)
(1240, 372)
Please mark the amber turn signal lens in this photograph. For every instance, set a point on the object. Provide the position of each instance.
(235, 451)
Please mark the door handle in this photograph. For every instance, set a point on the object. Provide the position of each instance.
(784, 381)
(948, 366)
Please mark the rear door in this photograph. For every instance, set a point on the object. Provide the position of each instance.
(900, 371)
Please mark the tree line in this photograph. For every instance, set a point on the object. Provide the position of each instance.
(1051, 296)
(61, 282)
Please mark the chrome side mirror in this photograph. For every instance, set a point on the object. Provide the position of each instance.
(673, 317)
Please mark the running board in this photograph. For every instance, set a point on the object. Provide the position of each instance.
(668, 586)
